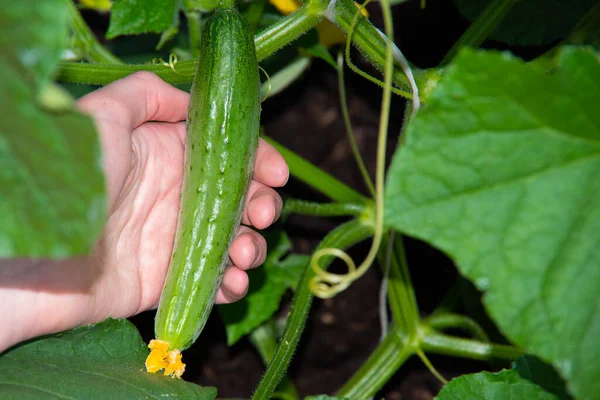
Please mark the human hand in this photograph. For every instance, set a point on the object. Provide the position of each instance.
(139, 119)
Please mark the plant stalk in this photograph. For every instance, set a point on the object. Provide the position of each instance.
(391, 353)
(264, 339)
(445, 320)
(438, 343)
(403, 303)
(84, 42)
(295, 206)
(342, 237)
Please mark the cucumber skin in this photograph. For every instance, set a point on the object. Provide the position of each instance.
(221, 140)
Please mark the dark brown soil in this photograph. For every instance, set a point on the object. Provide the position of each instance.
(341, 333)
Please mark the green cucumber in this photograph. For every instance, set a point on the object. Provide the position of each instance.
(220, 146)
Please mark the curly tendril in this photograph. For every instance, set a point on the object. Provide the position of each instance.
(326, 284)
(171, 64)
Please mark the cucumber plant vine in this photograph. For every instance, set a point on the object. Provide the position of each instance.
(455, 181)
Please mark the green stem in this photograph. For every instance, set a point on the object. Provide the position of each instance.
(403, 303)
(316, 177)
(270, 40)
(438, 343)
(264, 339)
(481, 28)
(443, 321)
(194, 31)
(285, 31)
(342, 237)
(267, 42)
(391, 353)
(295, 206)
(372, 45)
(84, 42)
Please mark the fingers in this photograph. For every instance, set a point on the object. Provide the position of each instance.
(263, 206)
(234, 286)
(248, 250)
(138, 98)
(270, 167)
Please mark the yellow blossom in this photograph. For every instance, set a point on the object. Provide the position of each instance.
(161, 358)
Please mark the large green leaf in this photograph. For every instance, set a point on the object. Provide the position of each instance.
(505, 385)
(32, 36)
(53, 199)
(531, 22)
(102, 361)
(502, 171)
(268, 283)
(132, 17)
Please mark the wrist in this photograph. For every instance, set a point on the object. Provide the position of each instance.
(40, 297)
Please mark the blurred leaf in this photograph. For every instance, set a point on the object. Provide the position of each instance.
(132, 17)
(268, 283)
(501, 170)
(531, 22)
(325, 397)
(102, 361)
(32, 36)
(53, 202)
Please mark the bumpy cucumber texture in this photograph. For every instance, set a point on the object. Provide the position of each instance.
(222, 135)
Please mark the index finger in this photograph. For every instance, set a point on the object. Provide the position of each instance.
(136, 99)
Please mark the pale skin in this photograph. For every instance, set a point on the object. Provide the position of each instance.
(140, 120)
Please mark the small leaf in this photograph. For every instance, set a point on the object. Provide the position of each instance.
(323, 53)
(102, 361)
(133, 17)
(284, 77)
(531, 22)
(505, 385)
(501, 170)
(268, 283)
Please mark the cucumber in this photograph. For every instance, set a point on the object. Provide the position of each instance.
(220, 146)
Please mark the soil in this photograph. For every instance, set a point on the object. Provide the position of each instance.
(341, 333)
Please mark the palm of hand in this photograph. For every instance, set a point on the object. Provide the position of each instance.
(143, 160)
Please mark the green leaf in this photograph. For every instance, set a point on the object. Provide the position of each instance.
(531, 22)
(32, 36)
(284, 77)
(324, 397)
(132, 17)
(502, 171)
(268, 283)
(504, 385)
(102, 361)
(53, 202)
(535, 370)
